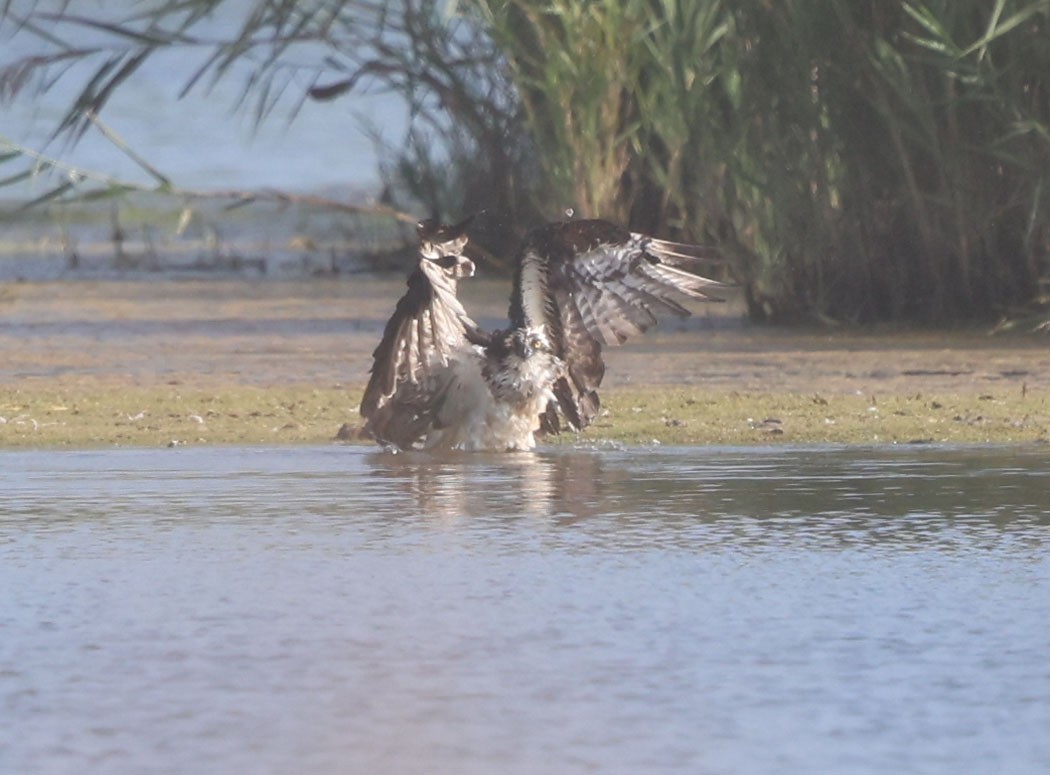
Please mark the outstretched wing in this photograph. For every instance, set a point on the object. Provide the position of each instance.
(428, 323)
(591, 283)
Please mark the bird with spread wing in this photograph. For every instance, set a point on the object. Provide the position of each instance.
(440, 382)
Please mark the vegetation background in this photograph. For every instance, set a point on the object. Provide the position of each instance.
(857, 160)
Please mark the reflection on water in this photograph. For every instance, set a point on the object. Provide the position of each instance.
(344, 610)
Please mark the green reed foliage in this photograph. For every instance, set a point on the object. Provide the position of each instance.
(612, 96)
(902, 153)
(859, 160)
(856, 159)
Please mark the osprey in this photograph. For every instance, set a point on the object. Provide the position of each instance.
(440, 382)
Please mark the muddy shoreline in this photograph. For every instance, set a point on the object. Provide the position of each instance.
(296, 354)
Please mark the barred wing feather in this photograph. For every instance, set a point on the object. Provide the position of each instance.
(593, 284)
(428, 324)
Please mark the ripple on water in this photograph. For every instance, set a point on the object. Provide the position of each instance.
(337, 609)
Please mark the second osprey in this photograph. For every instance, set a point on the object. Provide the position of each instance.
(439, 382)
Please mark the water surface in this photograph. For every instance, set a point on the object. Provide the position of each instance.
(648, 610)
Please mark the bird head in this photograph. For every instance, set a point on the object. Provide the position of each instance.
(526, 342)
(438, 239)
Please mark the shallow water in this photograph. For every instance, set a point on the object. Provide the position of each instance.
(697, 610)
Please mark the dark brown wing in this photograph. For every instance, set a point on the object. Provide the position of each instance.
(591, 283)
(428, 323)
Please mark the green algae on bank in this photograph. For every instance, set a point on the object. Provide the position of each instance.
(685, 416)
(100, 415)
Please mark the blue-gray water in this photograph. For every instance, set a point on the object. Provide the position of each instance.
(208, 140)
(201, 140)
(331, 610)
